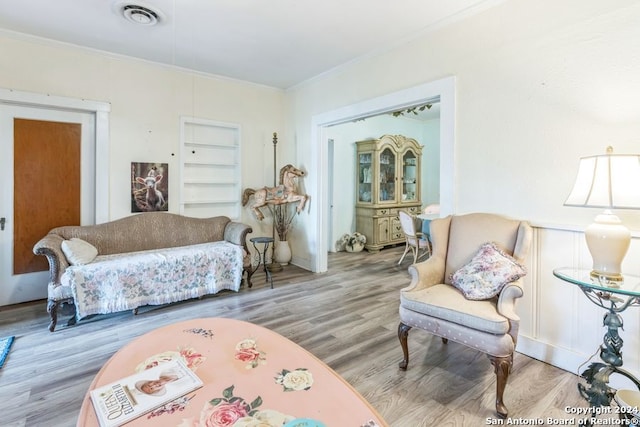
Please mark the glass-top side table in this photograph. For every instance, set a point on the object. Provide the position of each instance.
(615, 297)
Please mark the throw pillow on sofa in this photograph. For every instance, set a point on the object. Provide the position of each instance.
(487, 273)
(78, 251)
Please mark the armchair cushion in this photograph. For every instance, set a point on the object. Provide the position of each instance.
(78, 251)
(487, 273)
(447, 303)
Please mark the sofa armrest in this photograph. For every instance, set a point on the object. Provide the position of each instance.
(50, 246)
(236, 233)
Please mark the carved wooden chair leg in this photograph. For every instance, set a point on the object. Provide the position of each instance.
(249, 274)
(403, 333)
(502, 367)
(52, 308)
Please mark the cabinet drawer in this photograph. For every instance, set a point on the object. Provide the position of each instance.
(413, 209)
(384, 212)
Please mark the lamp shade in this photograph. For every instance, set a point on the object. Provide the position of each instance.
(607, 181)
(610, 181)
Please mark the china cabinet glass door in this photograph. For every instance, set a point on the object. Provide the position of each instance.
(387, 178)
(409, 176)
(365, 170)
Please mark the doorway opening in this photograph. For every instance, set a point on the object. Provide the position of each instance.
(443, 89)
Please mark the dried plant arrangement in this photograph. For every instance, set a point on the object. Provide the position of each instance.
(283, 219)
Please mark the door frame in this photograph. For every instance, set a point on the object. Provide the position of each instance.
(444, 89)
(101, 112)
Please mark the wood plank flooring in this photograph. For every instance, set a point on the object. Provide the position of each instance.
(347, 317)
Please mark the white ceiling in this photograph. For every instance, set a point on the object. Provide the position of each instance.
(278, 43)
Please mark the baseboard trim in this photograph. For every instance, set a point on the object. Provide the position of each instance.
(567, 360)
(559, 357)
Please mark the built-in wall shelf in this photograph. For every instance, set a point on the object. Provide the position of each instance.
(210, 168)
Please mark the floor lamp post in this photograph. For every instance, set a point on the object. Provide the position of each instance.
(274, 266)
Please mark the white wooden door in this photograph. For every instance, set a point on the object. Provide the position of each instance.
(27, 286)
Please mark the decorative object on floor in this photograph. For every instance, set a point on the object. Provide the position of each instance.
(282, 252)
(433, 304)
(149, 187)
(286, 192)
(286, 382)
(608, 181)
(5, 346)
(353, 242)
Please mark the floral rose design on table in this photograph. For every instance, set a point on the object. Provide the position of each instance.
(230, 410)
(229, 366)
(247, 351)
(191, 357)
(300, 379)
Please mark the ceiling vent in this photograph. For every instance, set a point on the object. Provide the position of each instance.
(141, 15)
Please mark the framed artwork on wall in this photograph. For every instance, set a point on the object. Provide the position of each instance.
(149, 187)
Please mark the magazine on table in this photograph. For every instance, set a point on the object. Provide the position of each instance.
(130, 397)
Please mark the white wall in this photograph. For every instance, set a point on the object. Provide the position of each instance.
(526, 106)
(147, 101)
(538, 85)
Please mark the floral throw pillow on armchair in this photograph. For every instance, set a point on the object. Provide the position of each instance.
(487, 273)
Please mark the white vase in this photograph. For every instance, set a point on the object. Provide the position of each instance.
(282, 252)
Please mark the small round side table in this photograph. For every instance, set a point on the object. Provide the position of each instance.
(261, 257)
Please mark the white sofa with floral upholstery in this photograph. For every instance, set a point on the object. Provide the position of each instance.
(145, 259)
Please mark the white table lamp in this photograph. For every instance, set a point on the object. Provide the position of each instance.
(609, 181)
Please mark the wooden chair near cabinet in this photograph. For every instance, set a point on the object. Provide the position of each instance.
(415, 241)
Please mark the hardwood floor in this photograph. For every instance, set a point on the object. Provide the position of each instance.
(347, 317)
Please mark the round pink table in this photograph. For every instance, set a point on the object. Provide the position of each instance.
(248, 372)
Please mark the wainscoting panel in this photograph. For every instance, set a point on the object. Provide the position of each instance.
(559, 325)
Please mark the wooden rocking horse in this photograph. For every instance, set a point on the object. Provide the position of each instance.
(286, 192)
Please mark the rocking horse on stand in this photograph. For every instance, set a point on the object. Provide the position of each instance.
(276, 199)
